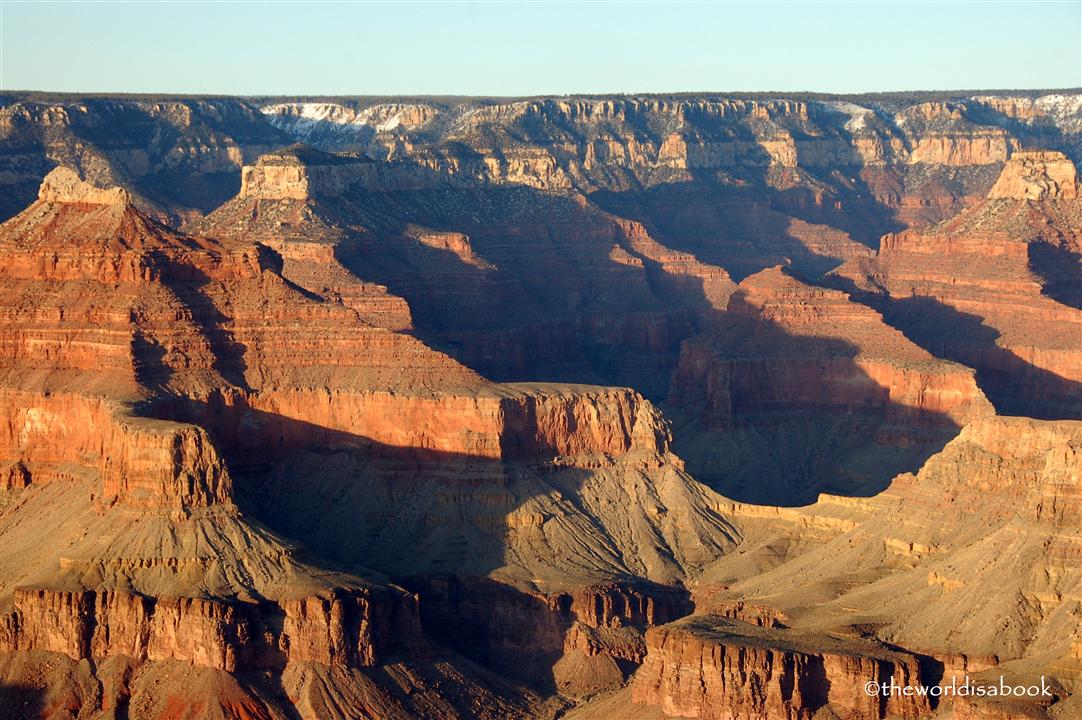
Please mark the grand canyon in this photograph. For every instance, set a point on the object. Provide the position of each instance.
(587, 407)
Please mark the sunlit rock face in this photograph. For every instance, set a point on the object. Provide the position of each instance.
(622, 407)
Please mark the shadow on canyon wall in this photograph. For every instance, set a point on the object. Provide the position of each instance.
(1060, 269)
(437, 523)
(1014, 386)
(22, 702)
(154, 364)
(537, 295)
(539, 286)
(774, 418)
(748, 225)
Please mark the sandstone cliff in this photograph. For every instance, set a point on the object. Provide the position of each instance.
(992, 287)
(804, 373)
(717, 668)
(152, 377)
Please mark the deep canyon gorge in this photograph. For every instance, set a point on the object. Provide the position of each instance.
(643, 407)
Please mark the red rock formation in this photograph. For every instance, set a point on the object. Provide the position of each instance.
(709, 667)
(349, 629)
(616, 605)
(209, 333)
(991, 287)
(140, 462)
(344, 430)
(792, 345)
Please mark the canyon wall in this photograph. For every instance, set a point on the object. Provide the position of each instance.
(716, 668)
(228, 447)
(139, 462)
(350, 628)
(990, 287)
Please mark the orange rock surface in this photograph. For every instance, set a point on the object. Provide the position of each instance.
(293, 433)
(144, 368)
(716, 668)
(994, 287)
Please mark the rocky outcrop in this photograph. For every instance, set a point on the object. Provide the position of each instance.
(63, 185)
(1033, 468)
(299, 173)
(991, 287)
(584, 640)
(465, 258)
(512, 422)
(348, 629)
(1036, 175)
(186, 312)
(709, 667)
(138, 462)
(792, 345)
(614, 605)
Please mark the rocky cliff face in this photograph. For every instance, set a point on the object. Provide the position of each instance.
(141, 463)
(909, 161)
(348, 629)
(717, 668)
(178, 157)
(790, 345)
(991, 287)
(139, 361)
(920, 161)
(788, 363)
(225, 449)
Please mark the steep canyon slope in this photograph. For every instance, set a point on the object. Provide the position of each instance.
(619, 407)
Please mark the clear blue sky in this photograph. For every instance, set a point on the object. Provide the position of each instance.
(537, 48)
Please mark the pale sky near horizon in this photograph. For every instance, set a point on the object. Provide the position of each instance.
(255, 47)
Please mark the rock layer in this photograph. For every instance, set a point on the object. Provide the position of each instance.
(716, 668)
(991, 287)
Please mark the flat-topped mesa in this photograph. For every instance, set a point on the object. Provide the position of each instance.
(299, 172)
(64, 185)
(1036, 175)
(513, 422)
